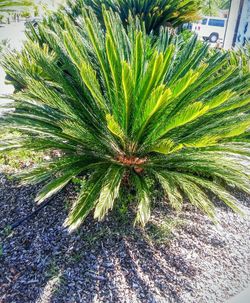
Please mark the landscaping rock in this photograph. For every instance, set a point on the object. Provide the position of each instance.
(111, 261)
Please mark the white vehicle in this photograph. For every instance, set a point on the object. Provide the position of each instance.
(211, 28)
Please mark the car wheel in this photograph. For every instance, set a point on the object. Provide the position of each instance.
(213, 38)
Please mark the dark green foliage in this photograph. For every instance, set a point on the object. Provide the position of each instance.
(154, 14)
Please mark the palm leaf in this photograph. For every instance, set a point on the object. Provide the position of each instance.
(109, 192)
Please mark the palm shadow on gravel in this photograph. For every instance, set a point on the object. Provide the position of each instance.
(102, 262)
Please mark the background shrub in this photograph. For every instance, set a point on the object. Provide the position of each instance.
(154, 14)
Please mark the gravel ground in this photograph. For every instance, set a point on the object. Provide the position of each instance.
(112, 262)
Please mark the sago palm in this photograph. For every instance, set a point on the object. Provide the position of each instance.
(155, 13)
(212, 7)
(134, 110)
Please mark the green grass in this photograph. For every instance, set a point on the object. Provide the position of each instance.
(17, 160)
(163, 230)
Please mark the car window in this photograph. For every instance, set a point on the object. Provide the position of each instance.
(216, 22)
(204, 22)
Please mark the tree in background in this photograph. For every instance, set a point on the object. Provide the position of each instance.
(212, 7)
(10, 5)
(36, 10)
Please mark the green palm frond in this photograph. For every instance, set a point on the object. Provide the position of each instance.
(124, 104)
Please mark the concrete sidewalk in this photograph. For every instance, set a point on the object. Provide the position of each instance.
(243, 297)
(5, 90)
(15, 35)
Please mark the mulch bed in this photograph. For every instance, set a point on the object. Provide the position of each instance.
(111, 261)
